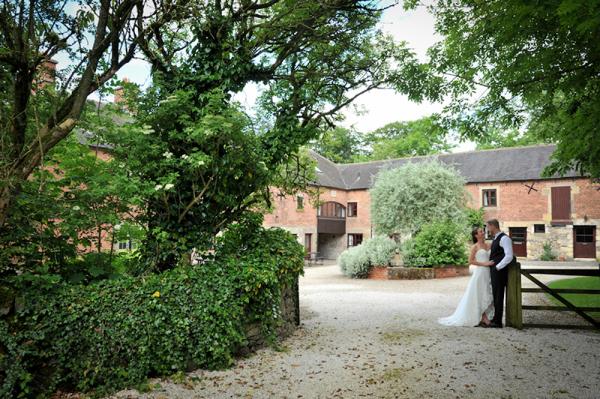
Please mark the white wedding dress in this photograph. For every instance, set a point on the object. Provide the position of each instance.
(477, 298)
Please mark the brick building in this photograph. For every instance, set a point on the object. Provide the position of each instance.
(561, 211)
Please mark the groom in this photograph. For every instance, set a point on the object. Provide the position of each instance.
(501, 255)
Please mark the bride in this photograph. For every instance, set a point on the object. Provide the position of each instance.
(476, 308)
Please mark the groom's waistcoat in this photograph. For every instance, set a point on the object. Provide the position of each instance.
(496, 251)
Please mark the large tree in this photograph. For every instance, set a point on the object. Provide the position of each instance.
(93, 39)
(340, 145)
(511, 63)
(405, 199)
(408, 139)
(210, 163)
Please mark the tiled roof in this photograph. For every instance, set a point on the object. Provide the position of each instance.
(504, 164)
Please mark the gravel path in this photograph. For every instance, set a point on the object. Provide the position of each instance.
(380, 339)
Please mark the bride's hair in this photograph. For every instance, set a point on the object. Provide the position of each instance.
(474, 234)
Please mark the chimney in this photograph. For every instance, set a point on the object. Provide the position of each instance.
(120, 94)
(46, 74)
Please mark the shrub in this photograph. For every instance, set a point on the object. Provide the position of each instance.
(116, 333)
(416, 194)
(547, 252)
(475, 217)
(377, 251)
(441, 243)
(380, 250)
(354, 262)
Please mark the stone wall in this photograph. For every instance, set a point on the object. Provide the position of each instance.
(290, 320)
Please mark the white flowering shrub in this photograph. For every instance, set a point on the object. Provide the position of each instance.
(380, 250)
(405, 199)
(354, 262)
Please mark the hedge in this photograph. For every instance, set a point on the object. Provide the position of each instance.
(117, 333)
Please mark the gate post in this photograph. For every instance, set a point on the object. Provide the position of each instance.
(514, 310)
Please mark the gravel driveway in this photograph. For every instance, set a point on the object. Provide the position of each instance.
(380, 339)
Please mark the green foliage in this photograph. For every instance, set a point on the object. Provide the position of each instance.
(64, 210)
(437, 244)
(538, 65)
(380, 250)
(354, 262)
(376, 251)
(395, 140)
(547, 252)
(475, 217)
(339, 145)
(416, 194)
(116, 333)
(502, 139)
(407, 139)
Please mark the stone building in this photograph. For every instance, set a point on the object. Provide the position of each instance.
(563, 212)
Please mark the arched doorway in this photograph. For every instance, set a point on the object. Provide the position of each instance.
(331, 229)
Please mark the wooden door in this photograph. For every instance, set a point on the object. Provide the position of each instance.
(519, 240)
(584, 241)
(308, 244)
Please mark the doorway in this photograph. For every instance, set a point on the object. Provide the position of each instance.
(584, 242)
(519, 239)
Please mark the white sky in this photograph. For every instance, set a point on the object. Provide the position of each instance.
(376, 108)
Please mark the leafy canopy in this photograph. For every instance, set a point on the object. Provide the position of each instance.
(531, 65)
(208, 162)
(408, 139)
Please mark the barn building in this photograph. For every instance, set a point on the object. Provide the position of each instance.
(562, 211)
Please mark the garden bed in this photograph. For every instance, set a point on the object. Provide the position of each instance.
(417, 273)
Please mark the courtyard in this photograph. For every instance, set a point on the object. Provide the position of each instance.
(380, 339)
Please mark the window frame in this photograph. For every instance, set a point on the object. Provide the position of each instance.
(486, 191)
(356, 238)
(352, 209)
(539, 228)
(299, 202)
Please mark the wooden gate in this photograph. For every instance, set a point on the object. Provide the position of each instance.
(584, 242)
(514, 297)
(519, 239)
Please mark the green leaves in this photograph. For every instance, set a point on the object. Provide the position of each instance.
(437, 244)
(116, 333)
(527, 66)
(405, 199)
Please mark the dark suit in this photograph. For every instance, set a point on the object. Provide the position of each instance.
(499, 278)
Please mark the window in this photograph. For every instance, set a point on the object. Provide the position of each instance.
(561, 205)
(539, 228)
(299, 202)
(489, 197)
(128, 245)
(354, 239)
(331, 210)
(584, 234)
(352, 209)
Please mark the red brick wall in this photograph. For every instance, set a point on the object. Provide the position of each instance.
(517, 206)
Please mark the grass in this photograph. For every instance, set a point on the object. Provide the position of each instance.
(584, 300)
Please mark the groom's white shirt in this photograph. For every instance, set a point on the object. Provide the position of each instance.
(506, 244)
